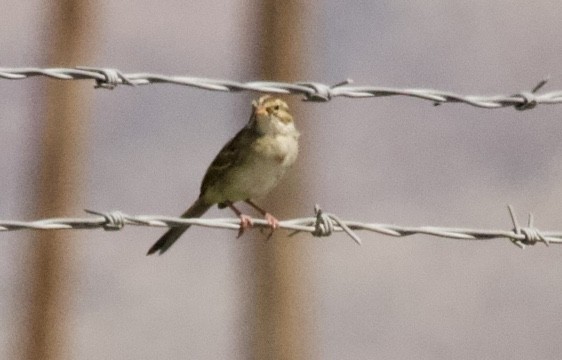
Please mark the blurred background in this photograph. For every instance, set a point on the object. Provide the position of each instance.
(66, 147)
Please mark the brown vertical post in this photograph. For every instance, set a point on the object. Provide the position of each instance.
(282, 316)
(58, 190)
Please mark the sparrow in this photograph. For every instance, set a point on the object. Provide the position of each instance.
(249, 166)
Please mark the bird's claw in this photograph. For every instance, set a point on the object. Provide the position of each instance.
(245, 224)
(272, 222)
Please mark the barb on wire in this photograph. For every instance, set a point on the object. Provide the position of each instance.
(108, 78)
(322, 224)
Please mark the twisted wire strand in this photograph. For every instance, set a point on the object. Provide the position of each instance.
(322, 224)
(109, 78)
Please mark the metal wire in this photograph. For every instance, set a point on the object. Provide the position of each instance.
(323, 224)
(108, 78)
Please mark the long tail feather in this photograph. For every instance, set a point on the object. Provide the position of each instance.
(196, 210)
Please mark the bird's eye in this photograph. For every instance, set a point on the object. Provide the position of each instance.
(276, 108)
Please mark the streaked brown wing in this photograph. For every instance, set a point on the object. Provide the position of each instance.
(231, 154)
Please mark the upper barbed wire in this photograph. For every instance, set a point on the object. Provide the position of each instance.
(109, 78)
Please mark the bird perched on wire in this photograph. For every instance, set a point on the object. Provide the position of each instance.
(250, 165)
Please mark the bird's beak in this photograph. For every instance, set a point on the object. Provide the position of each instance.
(260, 111)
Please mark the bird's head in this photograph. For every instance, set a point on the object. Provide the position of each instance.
(271, 116)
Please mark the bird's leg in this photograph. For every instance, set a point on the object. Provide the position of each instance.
(271, 220)
(245, 220)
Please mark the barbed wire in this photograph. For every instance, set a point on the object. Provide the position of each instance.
(322, 224)
(109, 78)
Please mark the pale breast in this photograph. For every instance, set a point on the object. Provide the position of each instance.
(261, 170)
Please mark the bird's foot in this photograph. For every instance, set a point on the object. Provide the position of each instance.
(272, 222)
(245, 224)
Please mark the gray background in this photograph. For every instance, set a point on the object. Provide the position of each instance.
(389, 160)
